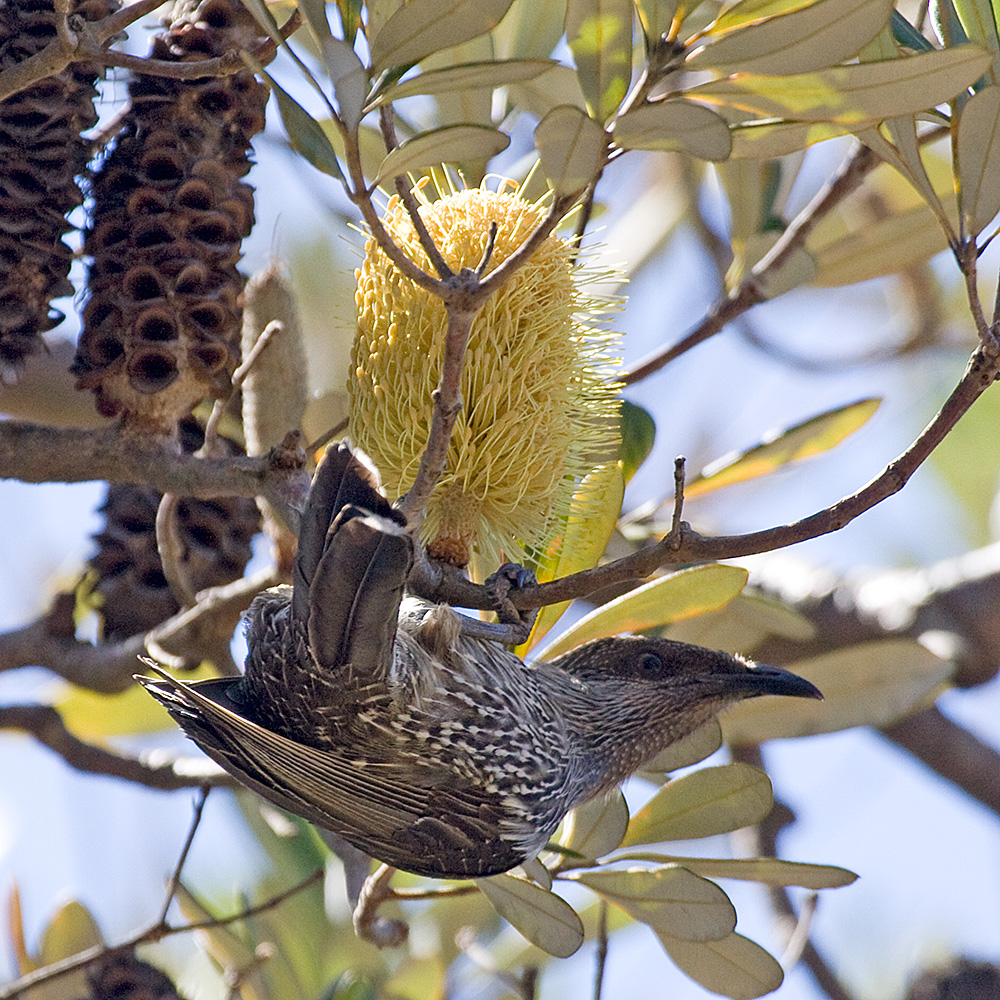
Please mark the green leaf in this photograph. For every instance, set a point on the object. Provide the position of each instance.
(638, 430)
(978, 160)
(314, 14)
(571, 147)
(733, 966)
(593, 514)
(666, 599)
(766, 140)
(886, 246)
(753, 12)
(544, 918)
(675, 125)
(856, 94)
(450, 144)
(767, 871)
(701, 804)
(595, 828)
(305, 134)
(690, 749)
(555, 87)
(810, 38)
(908, 36)
(870, 684)
(599, 33)
(670, 899)
(420, 27)
(349, 79)
(485, 74)
(979, 21)
(655, 16)
(69, 932)
(779, 448)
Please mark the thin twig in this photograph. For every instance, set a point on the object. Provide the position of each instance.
(152, 934)
(45, 724)
(170, 547)
(602, 948)
(676, 522)
(175, 876)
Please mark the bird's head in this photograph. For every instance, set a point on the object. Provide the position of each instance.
(630, 696)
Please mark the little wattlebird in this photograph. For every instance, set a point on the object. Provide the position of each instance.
(440, 754)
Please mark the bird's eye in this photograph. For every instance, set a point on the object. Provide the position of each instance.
(650, 663)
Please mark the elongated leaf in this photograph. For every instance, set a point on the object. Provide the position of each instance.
(571, 148)
(638, 430)
(593, 513)
(856, 94)
(554, 88)
(978, 155)
(733, 967)
(486, 74)
(978, 18)
(655, 16)
(305, 134)
(810, 38)
(694, 747)
(597, 827)
(701, 804)
(450, 144)
(670, 899)
(767, 871)
(664, 600)
(314, 14)
(350, 82)
(421, 27)
(765, 140)
(753, 12)
(599, 33)
(779, 448)
(675, 125)
(886, 246)
(544, 918)
(871, 684)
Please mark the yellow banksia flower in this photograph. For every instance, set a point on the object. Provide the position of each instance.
(539, 404)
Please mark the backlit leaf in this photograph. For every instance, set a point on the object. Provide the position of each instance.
(599, 33)
(978, 155)
(733, 966)
(703, 803)
(420, 27)
(486, 74)
(450, 144)
(870, 684)
(593, 513)
(754, 11)
(855, 94)
(314, 14)
(544, 918)
(675, 125)
(801, 41)
(778, 448)
(597, 827)
(70, 931)
(655, 16)
(349, 79)
(670, 899)
(694, 747)
(638, 431)
(571, 148)
(663, 600)
(767, 871)
(305, 134)
(766, 140)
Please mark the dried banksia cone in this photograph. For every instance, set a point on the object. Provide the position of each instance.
(125, 977)
(215, 535)
(42, 152)
(538, 408)
(162, 325)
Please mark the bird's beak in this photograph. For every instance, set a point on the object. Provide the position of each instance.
(761, 679)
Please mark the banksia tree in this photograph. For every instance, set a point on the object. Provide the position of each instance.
(538, 408)
(162, 325)
(42, 152)
(215, 536)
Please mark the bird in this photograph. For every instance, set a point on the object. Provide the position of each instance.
(371, 714)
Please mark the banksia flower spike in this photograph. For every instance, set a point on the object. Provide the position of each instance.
(42, 152)
(162, 325)
(539, 407)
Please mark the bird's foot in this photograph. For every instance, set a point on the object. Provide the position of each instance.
(514, 625)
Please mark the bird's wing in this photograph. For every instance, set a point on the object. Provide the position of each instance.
(423, 821)
(355, 594)
(344, 476)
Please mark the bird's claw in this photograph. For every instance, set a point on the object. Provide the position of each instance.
(511, 576)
